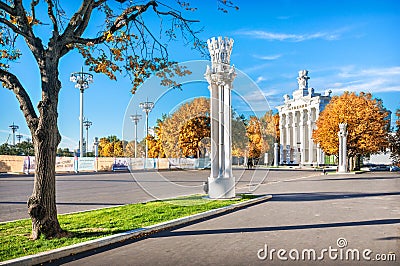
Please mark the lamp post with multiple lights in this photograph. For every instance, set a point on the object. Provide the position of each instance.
(87, 125)
(19, 137)
(146, 107)
(82, 80)
(135, 119)
(13, 129)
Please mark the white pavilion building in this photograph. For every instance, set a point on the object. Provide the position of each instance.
(297, 122)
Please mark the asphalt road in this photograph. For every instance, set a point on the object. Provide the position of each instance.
(79, 192)
(335, 216)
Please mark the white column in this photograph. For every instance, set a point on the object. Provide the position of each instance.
(320, 153)
(221, 148)
(281, 138)
(345, 150)
(294, 137)
(288, 139)
(310, 141)
(302, 137)
(319, 157)
(276, 154)
(221, 183)
(227, 133)
(214, 130)
(342, 167)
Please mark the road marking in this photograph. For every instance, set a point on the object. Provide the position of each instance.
(292, 179)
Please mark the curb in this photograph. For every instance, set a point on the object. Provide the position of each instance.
(137, 233)
(349, 173)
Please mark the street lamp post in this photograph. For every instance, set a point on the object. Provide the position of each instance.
(87, 125)
(96, 150)
(299, 153)
(82, 81)
(13, 129)
(146, 107)
(19, 137)
(135, 119)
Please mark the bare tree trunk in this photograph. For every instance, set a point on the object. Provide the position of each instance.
(42, 203)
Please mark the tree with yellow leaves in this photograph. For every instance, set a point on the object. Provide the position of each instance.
(111, 147)
(256, 143)
(261, 134)
(277, 131)
(129, 150)
(155, 148)
(192, 133)
(171, 125)
(366, 125)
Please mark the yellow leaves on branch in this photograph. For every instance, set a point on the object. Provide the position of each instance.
(8, 55)
(256, 145)
(111, 147)
(261, 133)
(191, 133)
(100, 64)
(31, 20)
(366, 124)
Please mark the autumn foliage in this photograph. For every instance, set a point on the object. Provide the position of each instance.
(186, 120)
(111, 146)
(261, 134)
(366, 124)
(192, 133)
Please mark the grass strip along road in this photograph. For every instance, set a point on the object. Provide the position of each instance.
(89, 225)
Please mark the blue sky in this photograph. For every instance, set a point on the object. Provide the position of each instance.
(345, 45)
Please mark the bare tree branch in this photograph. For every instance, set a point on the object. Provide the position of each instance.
(25, 29)
(173, 14)
(14, 28)
(76, 19)
(7, 8)
(34, 3)
(52, 17)
(11, 82)
(85, 21)
(119, 23)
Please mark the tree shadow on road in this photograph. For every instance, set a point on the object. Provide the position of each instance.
(327, 196)
(357, 178)
(276, 228)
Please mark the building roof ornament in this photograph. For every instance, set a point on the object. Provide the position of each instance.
(303, 80)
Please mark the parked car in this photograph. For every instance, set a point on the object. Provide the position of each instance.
(380, 168)
(394, 168)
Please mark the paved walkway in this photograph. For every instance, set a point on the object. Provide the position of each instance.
(336, 216)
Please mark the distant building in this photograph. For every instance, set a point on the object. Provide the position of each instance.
(297, 122)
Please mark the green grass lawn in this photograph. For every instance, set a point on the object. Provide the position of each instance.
(14, 236)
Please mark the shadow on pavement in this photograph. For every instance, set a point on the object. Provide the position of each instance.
(357, 178)
(69, 203)
(175, 233)
(276, 228)
(326, 196)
